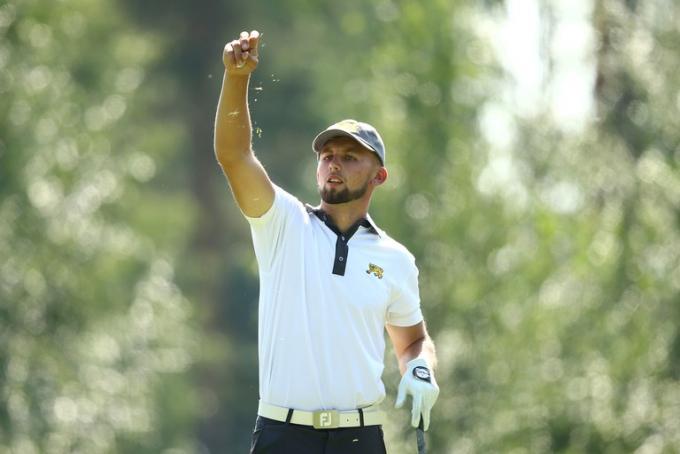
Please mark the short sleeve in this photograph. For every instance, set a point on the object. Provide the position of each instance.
(404, 308)
(270, 229)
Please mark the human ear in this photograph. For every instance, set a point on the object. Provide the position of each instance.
(380, 176)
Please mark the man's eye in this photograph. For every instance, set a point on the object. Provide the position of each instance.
(349, 158)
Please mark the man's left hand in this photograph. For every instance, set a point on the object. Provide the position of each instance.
(419, 382)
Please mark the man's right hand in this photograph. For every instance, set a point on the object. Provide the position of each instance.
(240, 56)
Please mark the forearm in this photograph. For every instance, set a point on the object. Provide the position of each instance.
(421, 348)
(233, 130)
(417, 362)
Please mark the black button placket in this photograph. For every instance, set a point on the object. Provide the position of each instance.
(341, 251)
(341, 246)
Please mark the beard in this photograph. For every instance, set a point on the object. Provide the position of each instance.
(334, 196)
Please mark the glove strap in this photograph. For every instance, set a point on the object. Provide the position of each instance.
(418, 367)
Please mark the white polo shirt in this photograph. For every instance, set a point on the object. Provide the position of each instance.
(324, 301)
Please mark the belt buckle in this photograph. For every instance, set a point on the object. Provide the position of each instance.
(326, 419)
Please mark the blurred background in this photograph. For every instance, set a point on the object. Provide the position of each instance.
(534, 154)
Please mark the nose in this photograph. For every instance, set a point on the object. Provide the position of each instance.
(334, 163)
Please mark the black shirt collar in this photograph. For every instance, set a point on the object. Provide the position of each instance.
(341, 243)
(366, 222)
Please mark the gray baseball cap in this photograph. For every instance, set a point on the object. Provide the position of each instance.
(363, 133)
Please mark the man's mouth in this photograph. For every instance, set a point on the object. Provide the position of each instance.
(334, 180)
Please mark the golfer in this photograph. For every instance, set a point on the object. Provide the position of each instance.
(331, 282)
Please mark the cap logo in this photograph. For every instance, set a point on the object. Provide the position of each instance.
(349, 126)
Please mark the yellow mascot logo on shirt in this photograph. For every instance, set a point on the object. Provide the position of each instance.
(376, 270)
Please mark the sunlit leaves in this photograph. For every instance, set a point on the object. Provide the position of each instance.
(91, 318)
(541, 206)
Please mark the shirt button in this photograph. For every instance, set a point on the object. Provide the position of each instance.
(342, 238)
(341, 258)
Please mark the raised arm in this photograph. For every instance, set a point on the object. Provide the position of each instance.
(249, 182)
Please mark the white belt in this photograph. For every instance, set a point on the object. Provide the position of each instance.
(324, 419)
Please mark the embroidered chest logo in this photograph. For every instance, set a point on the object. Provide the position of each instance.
(376, 270)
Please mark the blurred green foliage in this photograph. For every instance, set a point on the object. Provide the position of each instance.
(93, 329)
(549, 252)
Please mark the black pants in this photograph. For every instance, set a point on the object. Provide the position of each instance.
(275, 437)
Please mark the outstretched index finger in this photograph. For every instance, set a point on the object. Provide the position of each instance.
(253, 42)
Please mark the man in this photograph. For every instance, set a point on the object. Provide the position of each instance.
(331, 282)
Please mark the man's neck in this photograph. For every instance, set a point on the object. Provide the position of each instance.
(345, 215)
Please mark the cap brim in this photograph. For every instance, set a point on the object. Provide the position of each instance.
(329, 134)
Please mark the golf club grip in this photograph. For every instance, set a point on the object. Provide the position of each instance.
(420, 437)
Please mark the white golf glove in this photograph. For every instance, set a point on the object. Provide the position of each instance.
(419, 382)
